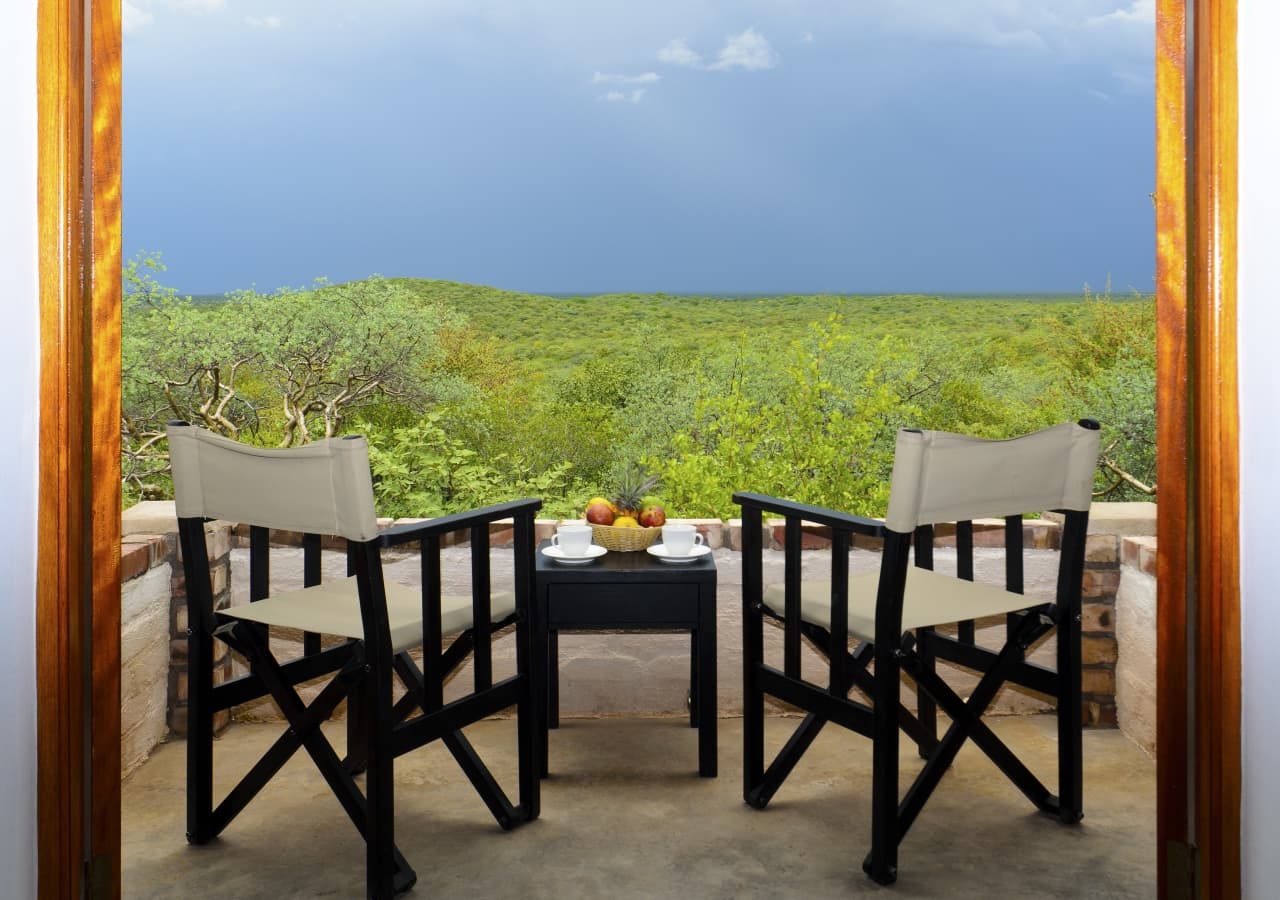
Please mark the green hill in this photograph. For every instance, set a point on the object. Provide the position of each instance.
(551, 335)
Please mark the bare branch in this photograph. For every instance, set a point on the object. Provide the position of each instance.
(1110, 465)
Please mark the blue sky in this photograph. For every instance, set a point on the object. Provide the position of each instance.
(673, 145)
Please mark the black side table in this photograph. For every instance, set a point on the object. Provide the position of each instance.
(629, 591)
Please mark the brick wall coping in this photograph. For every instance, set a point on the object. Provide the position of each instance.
(140, 553)
(150, 540)
(1139, 553)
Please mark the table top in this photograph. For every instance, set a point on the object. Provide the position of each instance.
(614, 566)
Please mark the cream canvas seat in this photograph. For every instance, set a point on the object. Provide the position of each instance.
(893, 615)
(325, 488)
(930, 599)
(334, 608)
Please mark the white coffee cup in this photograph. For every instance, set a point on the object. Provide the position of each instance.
(573, 540)
(680, 539)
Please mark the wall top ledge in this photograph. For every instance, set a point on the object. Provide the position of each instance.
(1123, 519)
(149, 517)
(152, 517)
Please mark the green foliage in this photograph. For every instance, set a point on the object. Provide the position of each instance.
(421, 470)
(326, 352)
(472, 395)
(818, 442)
(178, 361)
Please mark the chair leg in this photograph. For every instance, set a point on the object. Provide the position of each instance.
(200, 828)
(357, 733)
(882, 863)
(1070, 728)
(380, 792)
(530, 767)
(752, 707)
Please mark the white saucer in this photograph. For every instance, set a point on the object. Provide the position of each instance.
(595, 551)
(660, 551)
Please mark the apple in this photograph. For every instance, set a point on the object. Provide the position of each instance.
(653, 516)
(600, 514)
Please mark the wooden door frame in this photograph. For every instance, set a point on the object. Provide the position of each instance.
(78, 577)
(78, 543)
(1198, 568)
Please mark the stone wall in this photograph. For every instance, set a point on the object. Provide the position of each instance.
(633, 674)
(150, 538)
(1136, 632)
(144, 647)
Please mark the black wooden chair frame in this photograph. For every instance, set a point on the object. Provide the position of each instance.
(378, 730)
(916, 654)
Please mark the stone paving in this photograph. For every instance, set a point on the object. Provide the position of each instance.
(624, 815)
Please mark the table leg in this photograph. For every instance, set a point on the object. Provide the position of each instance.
(706, 705)
(553, 679)
(538, 658)
(693, 678)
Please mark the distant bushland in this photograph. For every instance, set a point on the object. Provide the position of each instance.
(471, 394)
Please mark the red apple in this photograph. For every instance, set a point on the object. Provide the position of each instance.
(600, 514)
(653, 516)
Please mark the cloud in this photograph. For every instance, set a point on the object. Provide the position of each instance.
(679, 53)
(748, 50)
(1097, 28)
(624, 96)
(197, 7)
(1138, 12)
(644, 78)
(806, 38)
(138, 14)
(132, 18)
(1134, 81)
(1022, 37)
(263, 21)
(1101, 95)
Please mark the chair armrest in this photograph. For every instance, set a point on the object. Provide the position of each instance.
(416, 531)
(829, 517)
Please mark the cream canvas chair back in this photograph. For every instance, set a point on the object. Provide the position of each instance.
(943, 477)
(320, 488)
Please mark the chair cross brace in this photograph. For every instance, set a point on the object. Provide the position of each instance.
(855, 676)
(507, 814)
(304, 731)
(967, 724)
(450, 660)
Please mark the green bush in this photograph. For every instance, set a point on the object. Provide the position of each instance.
(421, 470)
(472, 396)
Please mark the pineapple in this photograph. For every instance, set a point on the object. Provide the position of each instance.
(632, 487)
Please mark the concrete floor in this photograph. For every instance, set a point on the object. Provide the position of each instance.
(625, 815)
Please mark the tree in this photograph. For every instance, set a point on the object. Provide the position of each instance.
(286, 367)
(326, 352)
(179, 361)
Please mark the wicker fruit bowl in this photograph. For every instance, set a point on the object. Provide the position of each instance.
(624, 540)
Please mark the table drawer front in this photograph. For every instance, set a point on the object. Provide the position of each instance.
(638, 603)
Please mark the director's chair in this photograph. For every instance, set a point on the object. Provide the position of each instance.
(325, 488)
(937, 477)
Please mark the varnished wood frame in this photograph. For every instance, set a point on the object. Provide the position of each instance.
(78, 556)
(78, 569)
(1198, 576)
